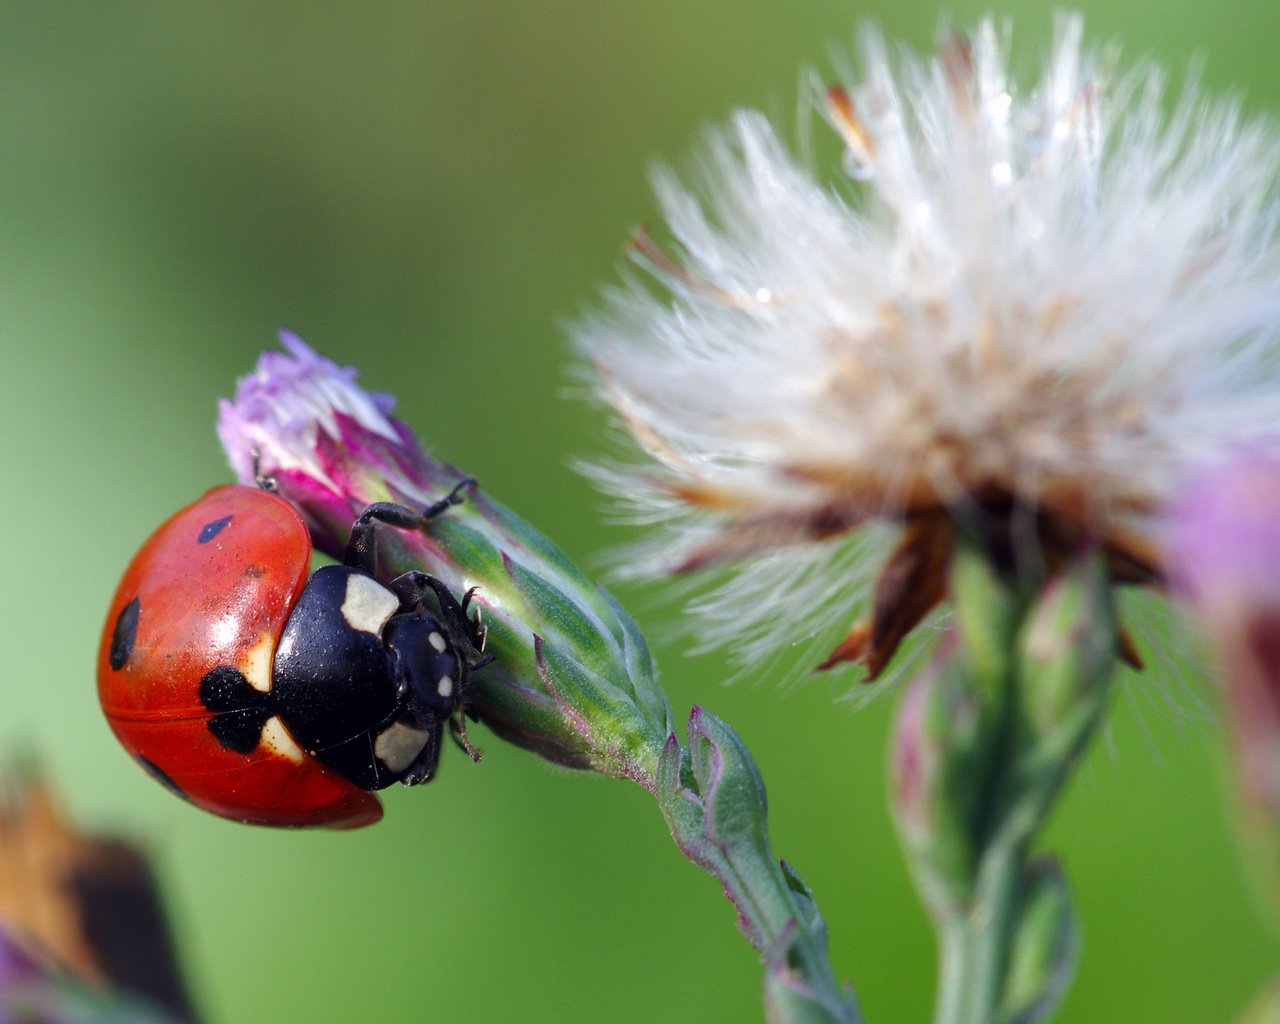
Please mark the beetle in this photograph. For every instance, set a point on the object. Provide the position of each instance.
(265, 693)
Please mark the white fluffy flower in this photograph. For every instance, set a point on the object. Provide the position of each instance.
(1037, 300)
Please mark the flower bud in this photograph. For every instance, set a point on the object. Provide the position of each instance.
(714, 801)
(935, 767)
(572, 679)
(987, 733)
(1065, 654)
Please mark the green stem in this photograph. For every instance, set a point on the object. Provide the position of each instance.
(976, 946)
(953, 974)
(754, 884)
(993, 919)
(783, 921)
(713, 798)
(987, 743)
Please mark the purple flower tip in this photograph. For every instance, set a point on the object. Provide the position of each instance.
(698, 730)
(287, 400)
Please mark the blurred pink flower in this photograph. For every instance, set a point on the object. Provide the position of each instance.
(1223, 550)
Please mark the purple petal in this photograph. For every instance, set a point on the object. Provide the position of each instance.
(289, 399)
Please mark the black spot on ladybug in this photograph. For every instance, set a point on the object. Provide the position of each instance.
(162, 777)
(226, 689)
(124, 635)
(255, 571)
(241, 710)
(240, 731)
(211, 530)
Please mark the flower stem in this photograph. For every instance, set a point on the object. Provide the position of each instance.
(714, 801)
(985, 743)
(975, 946)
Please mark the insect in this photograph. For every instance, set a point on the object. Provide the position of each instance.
(268, 694)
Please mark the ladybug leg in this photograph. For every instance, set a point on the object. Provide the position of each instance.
(411, 588)
(454, 497)
(465, 632)
(478, 629)
(423, 768)
(267, 483)
(458, 730)
(361, 548)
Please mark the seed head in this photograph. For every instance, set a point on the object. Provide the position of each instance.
(1032, 306)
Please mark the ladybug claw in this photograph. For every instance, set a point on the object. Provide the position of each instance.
(415, 778)
(264, 481)
(454, 497)
(458, 728)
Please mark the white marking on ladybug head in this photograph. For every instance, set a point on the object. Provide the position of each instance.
(276, 737)
(368, 605)
(255, 666)
(437, 641)
(445, 686)
(398, 744)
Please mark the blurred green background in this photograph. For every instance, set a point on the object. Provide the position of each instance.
(431, 191)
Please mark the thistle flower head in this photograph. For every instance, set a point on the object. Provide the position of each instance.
(1036, 302)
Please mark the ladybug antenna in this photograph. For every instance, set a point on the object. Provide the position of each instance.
(267, 483)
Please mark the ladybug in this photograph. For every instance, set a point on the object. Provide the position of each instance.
(265, 693)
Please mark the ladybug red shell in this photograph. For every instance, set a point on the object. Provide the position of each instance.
(267, 695)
